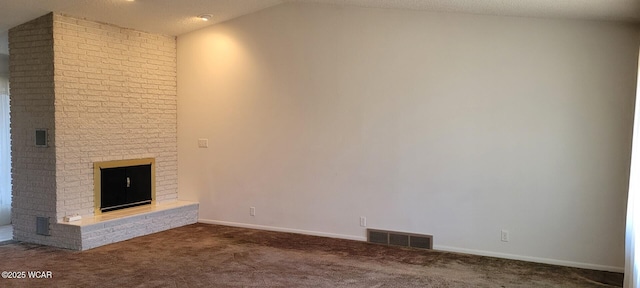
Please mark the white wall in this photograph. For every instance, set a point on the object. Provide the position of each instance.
(4, 65)
(4, 42)
(445, 124)
(5, 142)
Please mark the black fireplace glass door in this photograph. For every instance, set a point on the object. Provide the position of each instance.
(113, 187)
(139, 180)
(123, 187)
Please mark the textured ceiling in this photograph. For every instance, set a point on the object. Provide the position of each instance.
(615, 10)
(169, 17)
(174, 17)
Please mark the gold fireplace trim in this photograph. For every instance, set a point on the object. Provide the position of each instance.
(115, 164)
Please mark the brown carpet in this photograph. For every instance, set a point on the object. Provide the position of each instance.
(203, 255)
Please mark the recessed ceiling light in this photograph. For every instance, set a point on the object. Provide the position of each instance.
(205, 17)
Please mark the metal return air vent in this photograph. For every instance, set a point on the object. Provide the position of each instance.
(400, 239)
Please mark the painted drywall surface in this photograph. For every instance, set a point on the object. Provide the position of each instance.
(4, 65)
(4, 42)
(445, 124)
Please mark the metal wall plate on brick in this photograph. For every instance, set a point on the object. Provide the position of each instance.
(42, 138)
(42, 226)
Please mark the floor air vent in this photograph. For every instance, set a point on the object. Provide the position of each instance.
(400, 239)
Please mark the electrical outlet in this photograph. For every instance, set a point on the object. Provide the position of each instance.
(252, 211)
(504, 236)
(363, 221)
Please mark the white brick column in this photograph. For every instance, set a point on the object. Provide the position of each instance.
(104, 93)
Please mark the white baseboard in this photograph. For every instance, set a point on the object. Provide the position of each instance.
(279, 229)
(435, 247)
(531, 259)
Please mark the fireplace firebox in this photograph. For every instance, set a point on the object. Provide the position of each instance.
(123, 184)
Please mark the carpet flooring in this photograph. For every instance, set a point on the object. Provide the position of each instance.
(203, 255)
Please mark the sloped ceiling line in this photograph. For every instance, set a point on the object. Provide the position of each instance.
(172, 17)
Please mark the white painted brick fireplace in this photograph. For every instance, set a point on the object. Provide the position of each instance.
(103, 93)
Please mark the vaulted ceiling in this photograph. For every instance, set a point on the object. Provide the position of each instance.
(175, 17)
